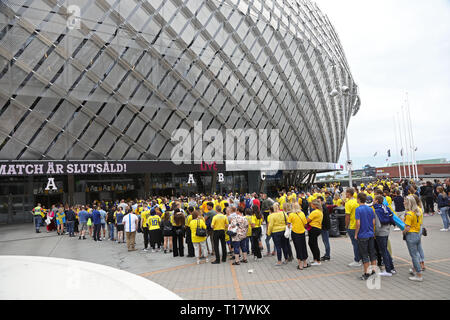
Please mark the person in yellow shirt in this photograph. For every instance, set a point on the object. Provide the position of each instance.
(388, 199)
(413, 222)
(297, 222)
(154, 229)
(276, 228)
(315, 222)
(256, 222)
(350, 224)
(248, 215)
(282, 200)
(337, 201)
(219, 224)
(223, 204)
(144, 226)
(199, 242)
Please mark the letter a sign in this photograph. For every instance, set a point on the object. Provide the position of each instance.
(191, 179)
(51, 184)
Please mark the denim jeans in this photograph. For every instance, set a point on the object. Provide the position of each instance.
(444, 216)
(421, 254)
(237, 245)
(280, 244)
(387, 259)
(247, 244)
(97, 229)
(37, 222)
(70, 226)
(326, 242)
(412, 241)
(351, 234)
(111, 231)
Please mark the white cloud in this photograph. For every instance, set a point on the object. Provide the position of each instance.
(394, 47)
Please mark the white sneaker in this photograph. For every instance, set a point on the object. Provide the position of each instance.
(416, 278)
(198, 261)
(316, 264)
(443, 230)
(207, 260)
(153, 250)
(385, 274)
(144, 250)
(354, 264)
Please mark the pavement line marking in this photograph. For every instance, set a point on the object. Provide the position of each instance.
(437, 261)
(236, 286)
(437, 271)
(401, 259)
(220, 286)
(238, 290)
(167, 270)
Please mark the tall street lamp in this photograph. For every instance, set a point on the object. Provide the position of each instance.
(344, 90)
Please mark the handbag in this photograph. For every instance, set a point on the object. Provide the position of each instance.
(167, 227)
(424, 230)
(232, 231)
(200, 232)
(287, 231)
(179, 231)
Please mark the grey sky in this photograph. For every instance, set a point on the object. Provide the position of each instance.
(394, 47)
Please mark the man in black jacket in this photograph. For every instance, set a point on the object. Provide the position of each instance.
(325, 229)
(428, 197)
(70, 217)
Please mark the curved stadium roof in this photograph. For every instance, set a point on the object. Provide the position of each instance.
(131, 72)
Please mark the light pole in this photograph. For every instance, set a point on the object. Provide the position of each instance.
(344, 90)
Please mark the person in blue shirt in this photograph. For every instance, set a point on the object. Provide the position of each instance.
(83, 216)
(97, 221)
(103, 221)
(364, 234)
(119, 224)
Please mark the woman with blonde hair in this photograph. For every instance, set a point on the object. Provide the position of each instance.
(413, 222)
(422, 255)
(276, 228)
(297, 222)
(337, 201)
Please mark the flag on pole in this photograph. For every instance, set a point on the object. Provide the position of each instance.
(415, 149)
(375, 154)
(401, 152)
(389, 153)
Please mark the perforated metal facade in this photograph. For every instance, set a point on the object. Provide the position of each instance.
(134, 71)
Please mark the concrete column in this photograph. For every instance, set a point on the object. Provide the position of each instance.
(71, 188)
(213, 182)
(146, 185)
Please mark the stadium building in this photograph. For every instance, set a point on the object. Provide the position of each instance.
(95, 95)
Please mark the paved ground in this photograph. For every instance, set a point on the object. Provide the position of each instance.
(333, 280)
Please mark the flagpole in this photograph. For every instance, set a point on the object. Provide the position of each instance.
(413, 147)
(406, 135)
(396, 148)
(401, 143)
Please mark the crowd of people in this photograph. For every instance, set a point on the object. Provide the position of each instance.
(232, 226)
